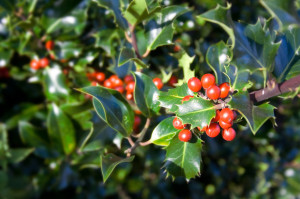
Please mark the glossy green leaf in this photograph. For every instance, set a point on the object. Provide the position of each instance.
(109, 162)
(146, 94)
(239, 78)
(185, 63)
(197, 112)
(55, 84)
(218, 57)
(255, 116)
(4, 147)
(112, 108)
(69, 49)
(284, 11)
(106, 39)
(32, 136)
(63, 7)
(164, 132)
(127, 55)
(61, 130)
(174, 96)
(183, 158)
(219, 15)
(18, 155)
(115, 7)
(138, 11)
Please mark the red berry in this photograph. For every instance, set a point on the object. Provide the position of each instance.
(194, 84)
(225, 125)
(213, 130)
(129, 96)
(119, 88)
(213, 92)
(137, 122)
(186, 98)
(217, 117)
(130, 87)
(177, 123)
(158, 83)
(94, 83)
(226, 115)
(185, 135)
(128, 78)
(203, 129)
(208, 80)
(44, 62)
(137, 112)
(108, 84)
(224, 87)
(4, 73)
(173, 80)
(228, 134)
(35, 64)
(176, 48)
(100, 76)
(113, 78)
(117, 82)
(49, 45)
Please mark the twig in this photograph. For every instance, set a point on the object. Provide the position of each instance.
(130, 141)
(134, 41)
(138, 141)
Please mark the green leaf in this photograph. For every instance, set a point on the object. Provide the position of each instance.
(255, 116)
(197, 112)
(284, 11)
(164, 132)
(218, 57)
(185, 62)
(4, 147)
(239, 78)
(174, 96)
(32, 136)
(55, 84)
(219, 16)
(138, 11)
(109, 162)
(106, 39)
(127, 55)
(115, 7)
(183, 158)
(8, 4)
(112, 108)
(18, 155)
(146, 94)
(61, 130)
(69, 49)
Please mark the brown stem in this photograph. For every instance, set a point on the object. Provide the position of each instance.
(277, 89)
(138, 141)
(134, 41)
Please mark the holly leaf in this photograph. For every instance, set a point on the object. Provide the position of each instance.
(218, 57)
(284, 11)
(61, 130)
(146, 94)
(197, 112)
(106, 39)
(164, 132)
(138, 11)
(114, 6)
(127, 55)
(19, 154)
(109, 162)
(255, 116)
(183, 158)
(185, 62)
(112, 108)
(174, 96)
(239, 78)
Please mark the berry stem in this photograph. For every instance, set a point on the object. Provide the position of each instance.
(138, 141)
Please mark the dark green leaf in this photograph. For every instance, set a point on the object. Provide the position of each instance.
(18, 155)
(183, 158)
(218, 57)
(164, 132)
(174, 96)
(239, 78)
(106, 39)
(146, 94)
(255, 116)
(197, 112)
(128, 54)
(4, 147)
(112, 108)
(109, 163)
(115, 7)
(8, 4)
(61, 130)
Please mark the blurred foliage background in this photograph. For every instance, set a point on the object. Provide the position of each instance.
(34, 103)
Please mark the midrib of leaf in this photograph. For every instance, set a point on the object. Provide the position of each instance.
(183, 154)
(198, 111)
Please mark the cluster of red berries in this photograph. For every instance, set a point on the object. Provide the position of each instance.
(44, 62)
(223, 118)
